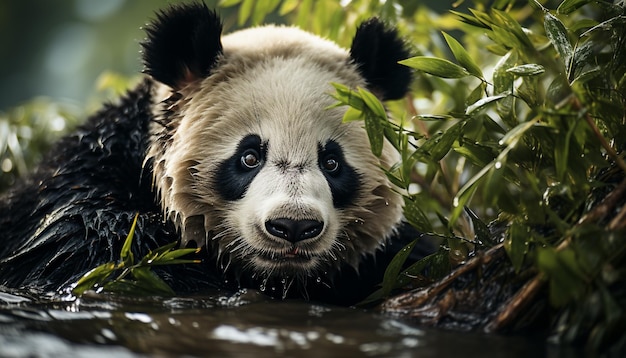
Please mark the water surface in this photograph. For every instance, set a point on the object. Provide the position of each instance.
(215, 324)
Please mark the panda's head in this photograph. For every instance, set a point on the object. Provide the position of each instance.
(248, 156)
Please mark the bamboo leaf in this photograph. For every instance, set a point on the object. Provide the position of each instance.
(228, 3)
(415, 216)
(373, 103)
(463, 56)
(394, 268)
(445, 142)
(149, 280)
(97, 275)
(126, 254)
(483, 102)
(530, 69)
(502, 82)
(481, 230)
(515, 244)
(374, 132)
(174, 254)
(352, 114)
(556, 32)
(245, 10)
(569, 6)
(436, 66)
(288, 6)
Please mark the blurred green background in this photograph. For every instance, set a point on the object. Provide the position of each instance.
(58, 49)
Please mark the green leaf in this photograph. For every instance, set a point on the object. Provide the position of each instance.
(476, 94)
(245, 10)
(149, 280)
(464, 195)
(436, 66)
(483, 102)
(477, 153)
(374, 132)
(515, 244)
(503, 82)
(415, 215)
(395, 266)
(96, 276)
(567, 281)
(352, 114)
(471, 20)
(530, 69)
(288, 6)
(481, 230)
(346, 96)
(445, 142)
(557, 33)
(433, 117)
(569, 6)
(373, 103)
(169, 256)
(228, 3)
(463, 56)
(126, 254)
(262, 9)
(515, 30)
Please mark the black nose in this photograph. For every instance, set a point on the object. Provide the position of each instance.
(294, 230)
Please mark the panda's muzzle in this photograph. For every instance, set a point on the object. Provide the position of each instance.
(294, 230)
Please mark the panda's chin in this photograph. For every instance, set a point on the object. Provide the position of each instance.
(291, 262)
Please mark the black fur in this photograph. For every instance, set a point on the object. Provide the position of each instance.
(376, 50)
(345, 182)
(74, 212)
(183, 44)
(76, 209)
(232, 178)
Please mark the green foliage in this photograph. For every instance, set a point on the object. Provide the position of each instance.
(537, 145)
(517, 112)
(29, 130)
(130, 277)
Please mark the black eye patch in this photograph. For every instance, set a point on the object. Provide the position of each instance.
(343, 180)
(234, 175)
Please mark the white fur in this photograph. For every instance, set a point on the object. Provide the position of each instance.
(273, 82)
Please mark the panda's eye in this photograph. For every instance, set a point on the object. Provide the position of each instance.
(250, 159)
(330, 164)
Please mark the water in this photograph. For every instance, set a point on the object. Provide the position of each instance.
(215, 324)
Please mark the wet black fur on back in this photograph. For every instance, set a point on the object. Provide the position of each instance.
(74, 212)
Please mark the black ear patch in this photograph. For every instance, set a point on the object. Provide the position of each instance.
(183, 44)
(376, 50)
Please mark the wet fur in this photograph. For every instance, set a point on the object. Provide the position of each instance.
(159, 151)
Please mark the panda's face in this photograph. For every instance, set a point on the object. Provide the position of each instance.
(251, 159)
(282, 183)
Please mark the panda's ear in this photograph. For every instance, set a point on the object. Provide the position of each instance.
(376, 50)
(182, 44)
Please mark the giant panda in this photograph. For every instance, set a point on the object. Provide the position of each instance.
(230, 144)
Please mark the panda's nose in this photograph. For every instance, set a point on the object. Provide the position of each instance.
(294, 230)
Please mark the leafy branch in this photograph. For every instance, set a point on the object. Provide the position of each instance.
(129, 276)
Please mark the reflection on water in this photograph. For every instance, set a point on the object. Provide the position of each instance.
(246, 324)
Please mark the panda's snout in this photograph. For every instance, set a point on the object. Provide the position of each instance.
(294, 230)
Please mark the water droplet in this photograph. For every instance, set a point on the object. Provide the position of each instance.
(455, 202)
(498, 165)
(318, 279)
